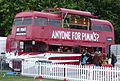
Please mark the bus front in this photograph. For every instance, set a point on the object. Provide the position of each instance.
(28, 32)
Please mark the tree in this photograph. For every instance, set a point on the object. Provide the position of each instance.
(104, 9)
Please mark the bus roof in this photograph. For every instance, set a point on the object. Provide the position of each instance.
(37, 13)
(69, 11)
(51, 13)
(97, 21)
(83, 13)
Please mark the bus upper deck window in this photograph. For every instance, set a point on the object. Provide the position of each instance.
(27, 21)
(18, 21)
(107, 28)
(54, 22)
(97, 27)
(40, 21)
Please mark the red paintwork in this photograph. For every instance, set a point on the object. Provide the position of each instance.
(65, 58)
(73, 63)
(83, 13)
(70, 11)
(37, 13)
(45, 34)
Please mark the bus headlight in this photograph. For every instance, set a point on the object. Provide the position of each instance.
(109, 39)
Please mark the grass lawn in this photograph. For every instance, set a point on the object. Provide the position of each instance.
(21, 78)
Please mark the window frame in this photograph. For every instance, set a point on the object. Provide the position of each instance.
(103, 26)
(56, 20)
(108, 27)
(42, 18)
(19, 20)
(27, 20)
(100, 26)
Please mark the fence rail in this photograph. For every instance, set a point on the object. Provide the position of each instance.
(71, 72)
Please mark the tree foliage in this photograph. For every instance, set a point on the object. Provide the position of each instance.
(104, 9)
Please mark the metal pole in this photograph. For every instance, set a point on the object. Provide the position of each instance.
(116, 49)
(1, 66)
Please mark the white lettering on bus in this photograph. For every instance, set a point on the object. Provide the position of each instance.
(90, 37)
(61, 35)
(75, 35)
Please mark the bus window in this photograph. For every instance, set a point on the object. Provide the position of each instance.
(96, 27)
(54, 22)
(21, 46)
(107, 28)
(53, 48)
(40, 21)
(27, 21)
(60, 48)
(41, 47)
(78, 27)
(13, 44)
(26, 46)
(80, 22)
(67, 49)
(76, 49)
(18, 21)
(91, 50)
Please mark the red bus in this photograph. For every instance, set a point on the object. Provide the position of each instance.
(59, 35)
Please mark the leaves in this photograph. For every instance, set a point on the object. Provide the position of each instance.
(104, 9)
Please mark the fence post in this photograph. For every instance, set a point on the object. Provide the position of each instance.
(65, 73)
(40, 71)
(22, 71)
(117, 71)
(1, 66)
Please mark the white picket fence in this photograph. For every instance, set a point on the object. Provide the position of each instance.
(70, 72)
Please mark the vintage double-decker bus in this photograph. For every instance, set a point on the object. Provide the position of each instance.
(58, 35)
